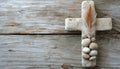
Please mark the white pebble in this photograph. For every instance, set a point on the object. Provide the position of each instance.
(93, 46)
(93, 53)
(86, 50)
(85, 42)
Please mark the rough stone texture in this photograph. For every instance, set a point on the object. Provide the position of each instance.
(75, 24)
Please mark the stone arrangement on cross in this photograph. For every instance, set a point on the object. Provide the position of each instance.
(88, 24)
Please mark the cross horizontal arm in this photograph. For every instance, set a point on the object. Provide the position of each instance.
(74, 24)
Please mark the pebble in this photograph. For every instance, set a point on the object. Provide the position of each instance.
(86, 56)
(93, 53)
(92, 35)
(86, 50)
(84, 36)
(93, 39)
(92, 58)
(93, 46)
(85, 42)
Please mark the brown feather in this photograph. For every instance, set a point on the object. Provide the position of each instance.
(89, 17)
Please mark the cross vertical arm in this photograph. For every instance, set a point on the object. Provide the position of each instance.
(88, 34)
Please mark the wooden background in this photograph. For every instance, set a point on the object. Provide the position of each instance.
(32, 35)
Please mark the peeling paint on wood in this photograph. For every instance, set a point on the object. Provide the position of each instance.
(13, 24)
(73, 9)
(77, 3)
(23, 32)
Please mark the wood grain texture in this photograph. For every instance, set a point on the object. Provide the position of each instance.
(48, 16)
(45, 51)
(52, 51)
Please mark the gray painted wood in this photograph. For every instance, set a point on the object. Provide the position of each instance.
(44, 51)
(48, 16)
(52, 51)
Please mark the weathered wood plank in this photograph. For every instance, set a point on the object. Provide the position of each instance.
(54, 50)
(48, 16)
(55, 67)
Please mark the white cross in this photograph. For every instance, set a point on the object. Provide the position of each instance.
(88, 24)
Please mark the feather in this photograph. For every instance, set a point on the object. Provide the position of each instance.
(89, 17)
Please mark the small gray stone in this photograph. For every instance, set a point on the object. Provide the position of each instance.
(86, 50)
(93, 53)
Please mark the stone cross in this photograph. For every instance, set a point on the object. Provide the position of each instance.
(88, 24)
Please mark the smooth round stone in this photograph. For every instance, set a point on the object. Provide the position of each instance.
(93, 53)
(84, 36)
(92, 35)
(86, 56)
(85, 42)
(92, 58)
(86, 50)
(93, 46)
